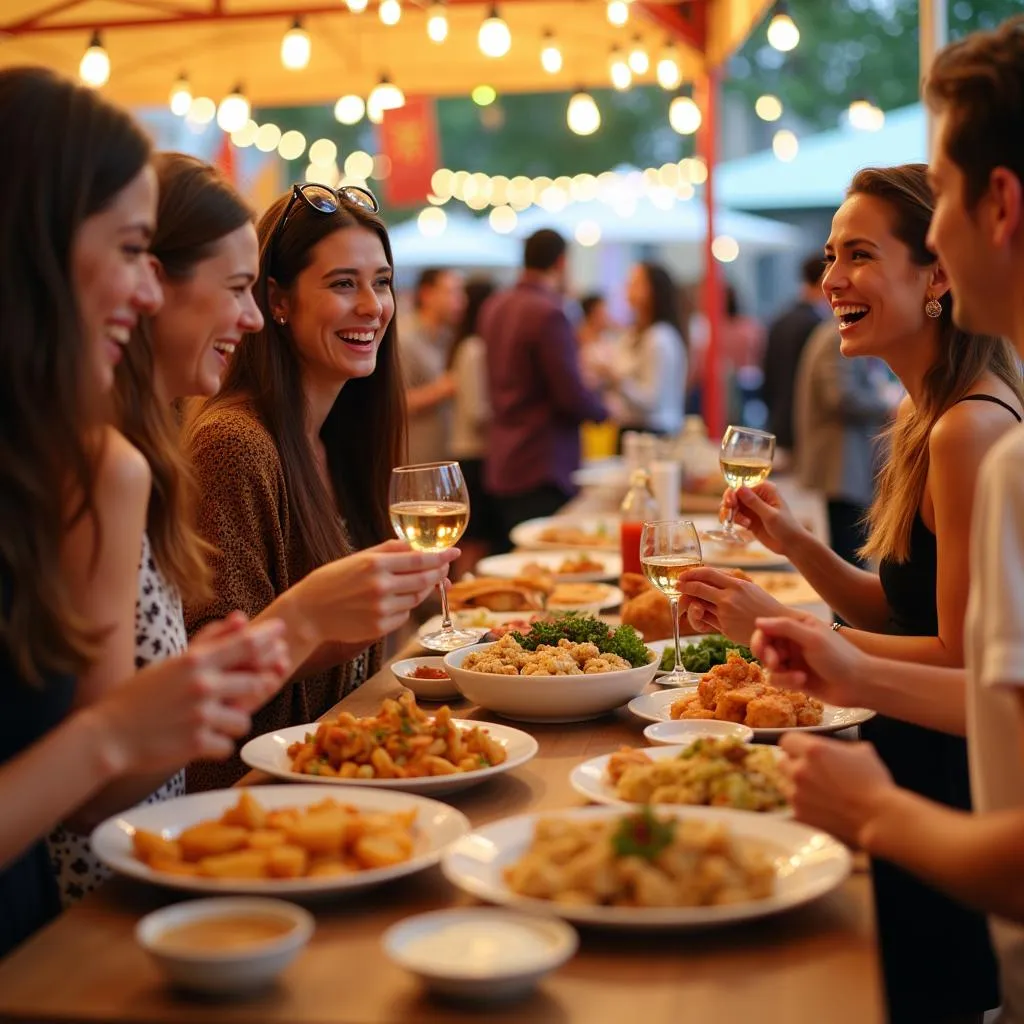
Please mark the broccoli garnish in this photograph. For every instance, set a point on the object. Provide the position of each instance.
(583, 629)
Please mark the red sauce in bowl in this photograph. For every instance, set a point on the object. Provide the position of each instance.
(426, 672)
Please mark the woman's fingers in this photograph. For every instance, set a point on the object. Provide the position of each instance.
(256, 645)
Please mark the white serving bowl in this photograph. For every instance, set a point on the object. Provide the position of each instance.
(686, 730)
(547, 698)
(230, 971)
(425, 689)
(480, 953)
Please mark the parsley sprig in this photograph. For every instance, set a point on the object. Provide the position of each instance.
(643, 835)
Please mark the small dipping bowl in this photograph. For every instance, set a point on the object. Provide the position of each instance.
(687, 730)
(425, 689)
(480, 953)
(225, 946)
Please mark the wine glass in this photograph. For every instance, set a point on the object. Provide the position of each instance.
(669, 549)
(746, 460)
(429, 509)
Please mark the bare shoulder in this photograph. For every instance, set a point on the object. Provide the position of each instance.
(968, 430)
(122, 471)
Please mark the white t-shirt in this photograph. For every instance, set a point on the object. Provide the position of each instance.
(994, 641)
(651, 391)
(472, 402)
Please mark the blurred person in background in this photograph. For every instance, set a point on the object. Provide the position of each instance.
(597, 334)
(470, 423)
(787, 337)
(647, 383)
(425, 344)
(538, 398)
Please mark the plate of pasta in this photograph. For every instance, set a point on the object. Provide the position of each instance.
(401, 747)
(283, 841)
(653, 868)
(709, 772)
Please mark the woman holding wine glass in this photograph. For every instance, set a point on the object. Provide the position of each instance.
(891, 299)
(746, 461)
(293, 458)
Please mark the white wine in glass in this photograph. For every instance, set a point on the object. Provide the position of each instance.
(668, 551)
(429, 509)
(746, 460)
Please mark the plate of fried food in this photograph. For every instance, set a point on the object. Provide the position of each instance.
(735, 556)
(401, 747)
(566, 566)
(278, 840)
(655, 868)
(708, 772)
(739, 691)
(590, 533)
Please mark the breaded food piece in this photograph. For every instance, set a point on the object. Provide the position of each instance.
(732, 705)
(650, 614)
(633, 584)
(771, 711)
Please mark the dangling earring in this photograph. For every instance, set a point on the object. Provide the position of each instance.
(282, 321)
(933, 308)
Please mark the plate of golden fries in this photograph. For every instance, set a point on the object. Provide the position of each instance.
(401, 747)
(279, 840)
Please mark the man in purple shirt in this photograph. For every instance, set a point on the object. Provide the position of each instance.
(538, 397)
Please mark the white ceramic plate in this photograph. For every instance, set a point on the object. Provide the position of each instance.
(788, 588)
(808, 864)
(685, 730)
(603, 533)
(590, 779)
(425, 689)
(476, 618)
(732, 556)
(547, 698)
(511, 565)
(437, 825)
(269, 753)
(654, 707)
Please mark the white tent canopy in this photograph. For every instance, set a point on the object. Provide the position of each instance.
(639, 221)
(465, 242)
(824, 165)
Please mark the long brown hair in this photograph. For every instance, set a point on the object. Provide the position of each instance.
(197, 208)
(364, 433)
(962, 359)
(68, 154)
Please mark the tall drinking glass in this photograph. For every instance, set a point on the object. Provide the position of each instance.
(668, 551)
(429, 509)
(746, 460)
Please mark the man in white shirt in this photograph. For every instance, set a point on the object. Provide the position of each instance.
(976, 89)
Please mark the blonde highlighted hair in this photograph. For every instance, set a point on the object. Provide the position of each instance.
(962, 359)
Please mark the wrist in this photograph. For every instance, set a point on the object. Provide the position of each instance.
(299, 609)
(888, 813)
(103, 738)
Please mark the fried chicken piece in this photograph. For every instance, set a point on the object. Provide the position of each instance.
(633, 584)
(649, 614)
(808, 710)
(771, 711)
(733, 704)
(689, 706)
(623, 758)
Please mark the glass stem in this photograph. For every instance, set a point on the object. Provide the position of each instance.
(673, 604)
(446, 615)
(730, 516)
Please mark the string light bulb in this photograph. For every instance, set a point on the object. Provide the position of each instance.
(494, 38)
(621, 76)
(94, 68)
(386, 96)
(181, 96)
(618, 12)
(349, 109)
(390, 12)
(550, 54)
(639, 61)
(295, 47)
(669, 73)
(356, 6)
(437, 22)
(233, 112)
(582, 115)
(865, 116)
(684, 115)
(782, 31)
(768, 107)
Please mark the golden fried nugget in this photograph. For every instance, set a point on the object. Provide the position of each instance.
(324, 832)
(210, 838)
(266, 838)
(240, 864)
(150, 846)
(771, 711)
(287, 861)
(247, 813)
(732, 705)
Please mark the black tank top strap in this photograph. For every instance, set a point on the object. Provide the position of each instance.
(992, 398)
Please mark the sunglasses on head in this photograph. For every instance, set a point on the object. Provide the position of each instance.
(324, 199)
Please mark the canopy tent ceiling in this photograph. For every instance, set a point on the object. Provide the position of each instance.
(220, 43)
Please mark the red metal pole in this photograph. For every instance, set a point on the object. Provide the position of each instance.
(706, 89)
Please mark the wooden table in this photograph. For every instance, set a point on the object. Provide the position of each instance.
(809, 966)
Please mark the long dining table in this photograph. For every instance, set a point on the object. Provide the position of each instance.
(807, 966)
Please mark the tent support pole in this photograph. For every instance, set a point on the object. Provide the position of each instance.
(934, 34)
(707, 89)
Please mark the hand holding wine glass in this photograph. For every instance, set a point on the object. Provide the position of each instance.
(669, 549)
(746, 460)
(429, 508)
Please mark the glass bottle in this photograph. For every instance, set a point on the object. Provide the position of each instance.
(637, 508)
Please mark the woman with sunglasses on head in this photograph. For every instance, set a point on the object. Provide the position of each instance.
(76, 278)
(294, 454)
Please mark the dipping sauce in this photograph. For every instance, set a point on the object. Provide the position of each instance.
(479, 947)
(426, 672)
(222, 934)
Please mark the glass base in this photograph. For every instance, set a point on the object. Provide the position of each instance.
(681, 678)
(737, 536)
(450, 639)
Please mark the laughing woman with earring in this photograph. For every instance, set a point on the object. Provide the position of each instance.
(293, 457)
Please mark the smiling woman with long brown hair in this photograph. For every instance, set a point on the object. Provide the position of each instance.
(294, 455)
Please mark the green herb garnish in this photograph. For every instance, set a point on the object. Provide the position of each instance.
(703, 656)
(584, 629)
(643, 835)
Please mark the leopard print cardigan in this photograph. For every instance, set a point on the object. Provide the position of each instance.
(244, 513)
